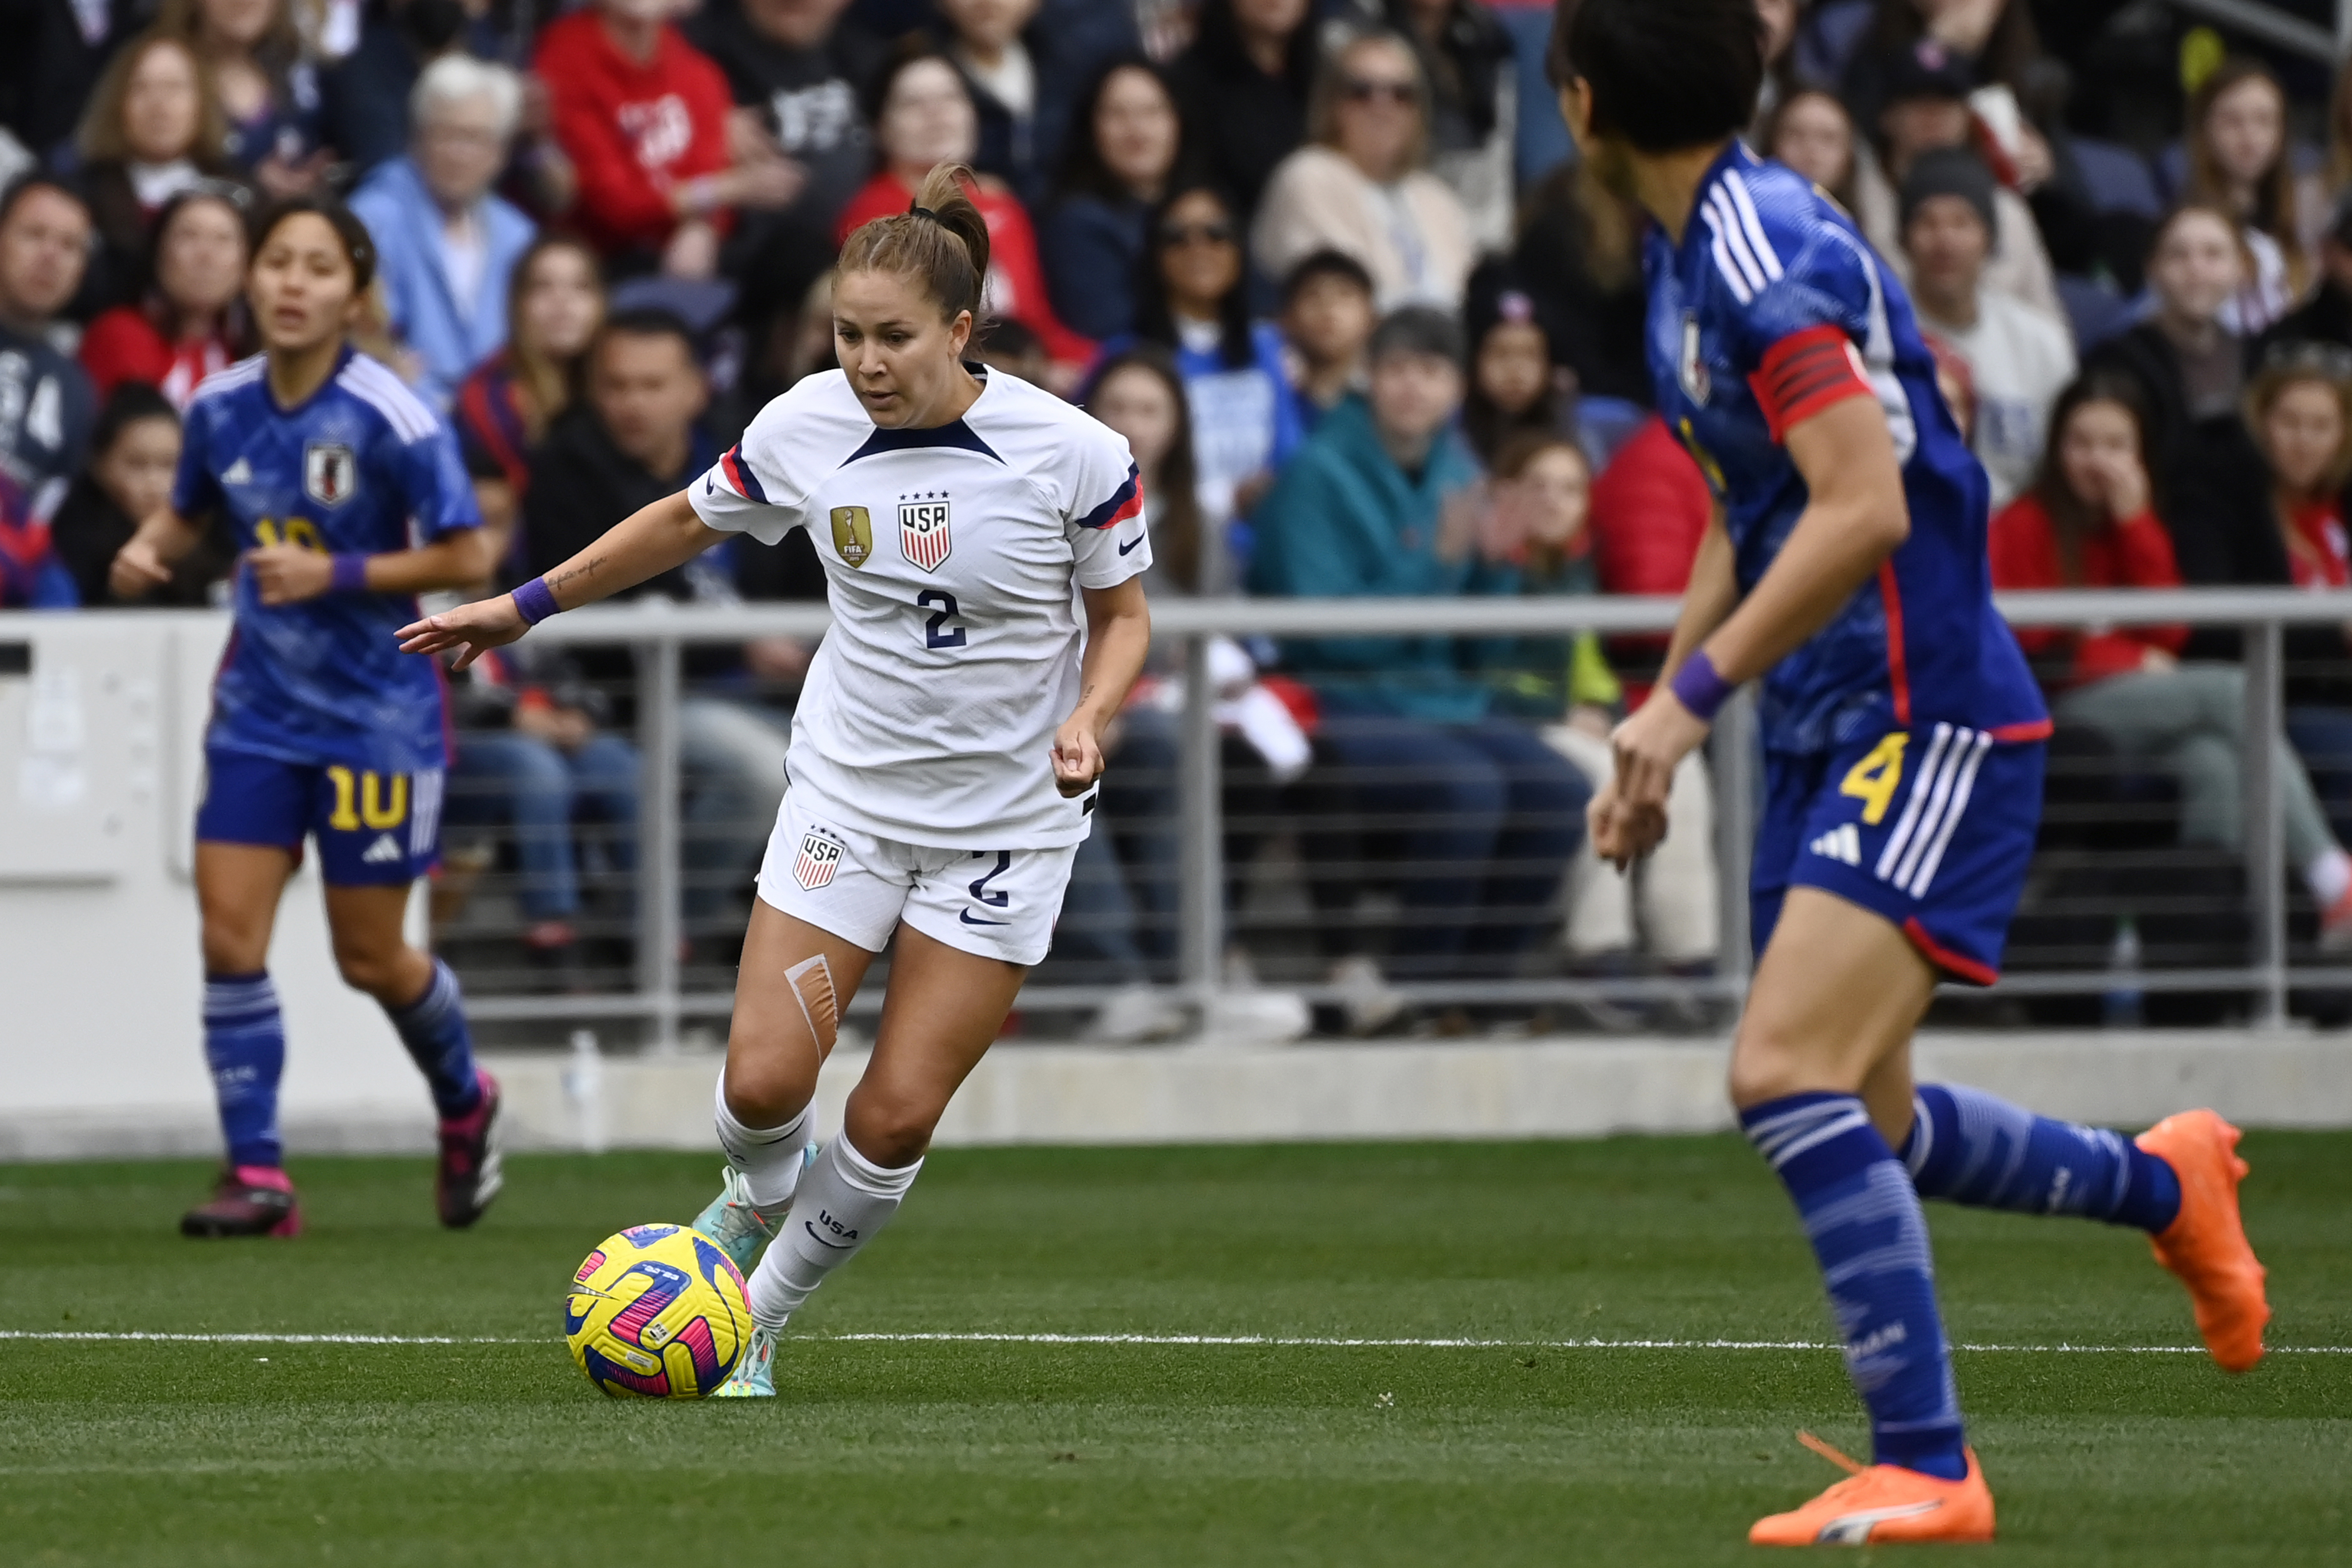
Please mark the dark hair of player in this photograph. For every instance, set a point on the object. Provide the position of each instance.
(359, 248)
(1325, 263)
(1665, 75)
(941, 242)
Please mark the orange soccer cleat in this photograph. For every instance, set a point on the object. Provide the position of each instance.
(2206, 1242)
(1883, 1502)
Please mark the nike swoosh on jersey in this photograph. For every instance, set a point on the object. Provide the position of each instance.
(966, 915)
(1129, 546)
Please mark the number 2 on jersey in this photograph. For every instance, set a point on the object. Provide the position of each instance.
(1874, 779)
(936, 631)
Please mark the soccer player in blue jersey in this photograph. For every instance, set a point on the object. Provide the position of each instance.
(1904, 741)
(348, 498)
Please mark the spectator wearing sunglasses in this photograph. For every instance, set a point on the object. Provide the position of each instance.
(1363, 187)
(1467, 60)
(1195, 303)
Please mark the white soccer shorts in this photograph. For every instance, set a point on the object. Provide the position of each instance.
(997, 903)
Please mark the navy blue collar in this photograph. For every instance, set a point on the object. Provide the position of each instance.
(957, 435)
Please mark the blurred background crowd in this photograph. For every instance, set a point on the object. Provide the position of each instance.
(1332, 269)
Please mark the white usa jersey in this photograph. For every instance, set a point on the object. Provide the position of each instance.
(951, 555)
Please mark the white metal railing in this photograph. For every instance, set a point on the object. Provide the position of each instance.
(658, 630)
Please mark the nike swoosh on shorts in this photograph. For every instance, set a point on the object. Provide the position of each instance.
(966, 914)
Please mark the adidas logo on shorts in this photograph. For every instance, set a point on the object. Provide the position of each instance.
(384, 851)
(1842, 842)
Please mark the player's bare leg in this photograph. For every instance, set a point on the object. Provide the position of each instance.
(419, 994)
(237, 890)
(943, 1012)
(795, 982)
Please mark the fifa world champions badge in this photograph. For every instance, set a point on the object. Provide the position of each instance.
(853, 535)
(923, 529)
(820, 856)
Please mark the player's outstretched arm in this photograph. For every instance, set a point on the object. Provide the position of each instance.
(1855, 517)
(144, 563)
(1119, 636)
(290, 574)
(641, 546)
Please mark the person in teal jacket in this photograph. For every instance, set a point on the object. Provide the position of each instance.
(1480, 817)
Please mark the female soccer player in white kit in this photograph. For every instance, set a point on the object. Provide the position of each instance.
(946, 750)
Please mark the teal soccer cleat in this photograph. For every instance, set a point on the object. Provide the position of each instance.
(754, 1376)
(740, 1230)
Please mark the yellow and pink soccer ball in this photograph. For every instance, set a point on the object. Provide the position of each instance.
(657, 1311)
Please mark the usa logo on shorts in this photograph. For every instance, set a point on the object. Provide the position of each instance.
(820, 858)
(923, 529)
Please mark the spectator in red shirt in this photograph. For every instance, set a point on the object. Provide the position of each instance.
(643, 114)
(1651, 506)
(923, 116)
(2090, 521)
(189, 323)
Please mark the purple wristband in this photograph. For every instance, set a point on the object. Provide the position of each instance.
(1697, 687)
(536, 601)
(350, 574)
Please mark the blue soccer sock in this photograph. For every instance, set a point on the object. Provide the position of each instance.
(244, 1045)
(1871, 1238)
(1968, 1147)
(434, 1029)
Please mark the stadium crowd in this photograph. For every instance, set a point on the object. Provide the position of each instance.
(1331, 269)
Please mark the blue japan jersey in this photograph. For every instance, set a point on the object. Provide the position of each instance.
(1773, 308)
(361, 467)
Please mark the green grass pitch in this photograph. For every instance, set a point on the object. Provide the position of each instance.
(893, 1449)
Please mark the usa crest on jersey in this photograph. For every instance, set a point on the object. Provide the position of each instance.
(923, 529)
(330, 472)
(819, 859)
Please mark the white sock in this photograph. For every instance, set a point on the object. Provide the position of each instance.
(849, 1199)
(2328, 876)
(769, 1158)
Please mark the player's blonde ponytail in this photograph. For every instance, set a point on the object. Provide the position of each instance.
(941, 242)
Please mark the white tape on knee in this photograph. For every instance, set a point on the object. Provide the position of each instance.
(812, 983)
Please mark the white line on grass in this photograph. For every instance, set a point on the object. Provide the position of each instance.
(1278, 1341)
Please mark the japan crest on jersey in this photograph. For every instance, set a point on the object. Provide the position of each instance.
(330, 473)
(923, 529)
(820, 856)
(1698, 386)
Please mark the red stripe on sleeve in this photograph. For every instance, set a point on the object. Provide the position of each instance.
(1134, 506)
(1804, 373)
